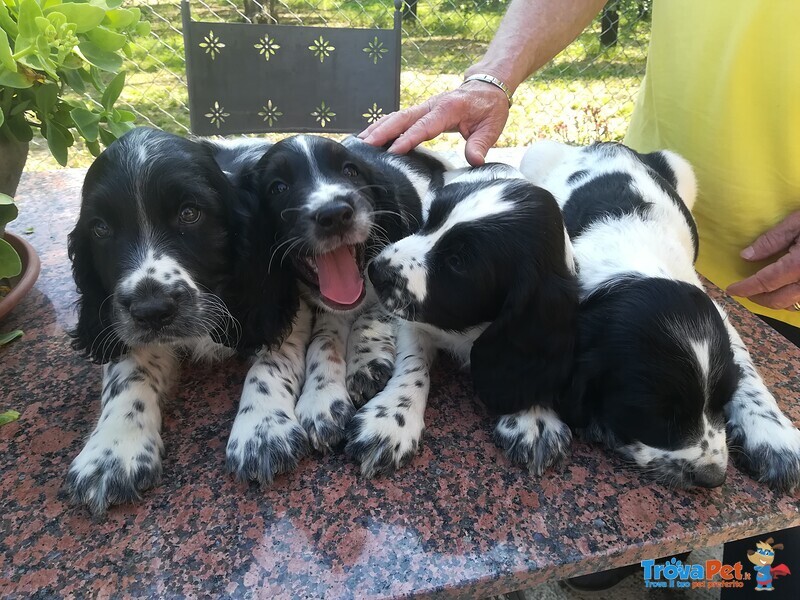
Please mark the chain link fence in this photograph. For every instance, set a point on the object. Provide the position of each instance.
(586, 93)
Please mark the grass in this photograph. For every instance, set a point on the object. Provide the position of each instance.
(584, 94)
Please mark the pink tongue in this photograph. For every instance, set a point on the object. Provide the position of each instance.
(339, 278)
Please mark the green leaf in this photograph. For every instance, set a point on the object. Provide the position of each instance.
(46, 98)
(58, 142)
(10, 415)
(143, 28)
(107, 40)
(7, 23)
(28, 11)
(107, 61)
(94, 148)
(19, 107)
(19, 128)
(8, 210)
(124, 116)
(107, 137)
(10, 264)
(2, 117)
(14, 80)
(113, 90)
(6, 56)
(42, 24)
(73, 80)
(120, 18)
(29, 230)
(49, 3)
(57, 19)
(85, 16)
(87, 123)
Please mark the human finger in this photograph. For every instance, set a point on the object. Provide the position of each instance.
(781, 299)
(393, 125)
(479, 141)
(774, 240)
(784, 271)
(445, 116)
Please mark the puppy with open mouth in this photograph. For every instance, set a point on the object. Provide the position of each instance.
(337, 205)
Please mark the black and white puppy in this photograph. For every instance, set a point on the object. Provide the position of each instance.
(337, 205)
(661, 371)
(490, 278)
(162, 270)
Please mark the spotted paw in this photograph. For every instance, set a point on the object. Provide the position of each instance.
(114, 470)
(326, 429)
(370, 379)
(265, 445)
(770, 454)
(536, 438)
(383, 439)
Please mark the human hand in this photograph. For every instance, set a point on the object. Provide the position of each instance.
(778, 284)
(476, 110)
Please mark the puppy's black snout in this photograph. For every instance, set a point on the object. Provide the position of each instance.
(335, 217)
(382, 275)
(708, 476)
(154, 312)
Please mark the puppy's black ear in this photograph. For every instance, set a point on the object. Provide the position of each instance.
(94, 335)
(525, 357)
(262, 294)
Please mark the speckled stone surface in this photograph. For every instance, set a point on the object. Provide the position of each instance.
(459, 521)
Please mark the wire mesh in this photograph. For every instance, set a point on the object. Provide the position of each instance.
(586, 93)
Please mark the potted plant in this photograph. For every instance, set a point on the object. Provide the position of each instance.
(55, 57)
(60, 76)
(19, 266)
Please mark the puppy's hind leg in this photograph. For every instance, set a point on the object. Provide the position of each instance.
(266, 438)
(370, 354)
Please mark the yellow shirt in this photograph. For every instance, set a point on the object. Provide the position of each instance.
(723, 90)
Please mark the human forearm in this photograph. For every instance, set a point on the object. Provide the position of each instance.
(531, 33)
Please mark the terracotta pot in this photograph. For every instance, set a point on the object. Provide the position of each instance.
(21, 284)
(12, 160)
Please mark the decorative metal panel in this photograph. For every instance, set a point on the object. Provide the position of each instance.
(252, 78)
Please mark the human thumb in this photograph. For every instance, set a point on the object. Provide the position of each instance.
(478, 145)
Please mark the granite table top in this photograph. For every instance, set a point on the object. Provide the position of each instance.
(460, 521)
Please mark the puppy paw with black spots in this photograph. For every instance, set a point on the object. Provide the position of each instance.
(326, 428)
(535, 438)
(770, 453)
(382, 438)
(114, 468)
(369, 380)
(262, 446)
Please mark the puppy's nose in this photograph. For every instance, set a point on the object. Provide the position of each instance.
(382, 275)
(708, 476)
(335, 217)
(154, 313)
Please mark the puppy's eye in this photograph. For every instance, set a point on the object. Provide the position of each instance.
(349, 171)
(100, 229)
(455, 263)
(189, 215)
(278, 187)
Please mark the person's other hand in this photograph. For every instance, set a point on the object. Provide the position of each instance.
(477, 110)
(778, 284)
